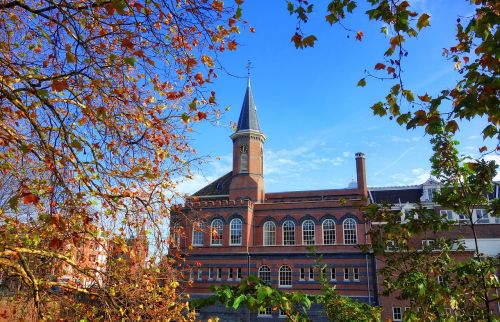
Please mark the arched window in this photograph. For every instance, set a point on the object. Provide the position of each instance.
(288, 233)
(285, 276)
(328, 232)
(243, 158)
(217, 228)
(265, 274)
(198, 233)
(175, 238)
(308, 232)
(269, 233)
(350, 234)
(235, 232)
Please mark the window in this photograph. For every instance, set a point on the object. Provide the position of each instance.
(288, 233)
(350, 234)
(430, 193)
(243, 158)
(397, 315)
(219, 274)
(302, 273)
(217, 229)
(308, 232)
(238, 273)
(311, 273)
(390, 245)
(269, 233)
(282, 314)
(198, 233)
(355, 273)
(265, 274)
(265, 311)
(328, 232)
(448, 214)
(462, 218)
(176, 236)
(191, 275)
(323, 272)
(230, 274)
(333, 276)
(285, 276)
(428, 243)
(210, 273)
(200, 274)
(235, 230)
(482, 216)
(346, 274)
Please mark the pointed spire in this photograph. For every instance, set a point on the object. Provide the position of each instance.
(248, 116)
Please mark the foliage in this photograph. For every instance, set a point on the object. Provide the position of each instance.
(255, 295)
(475, 57)
(443, 275)
(97, 98)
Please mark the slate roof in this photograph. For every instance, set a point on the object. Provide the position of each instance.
(216, 188)
(395, 196)
(248, 116)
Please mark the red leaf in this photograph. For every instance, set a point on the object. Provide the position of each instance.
(379, 66)
(55, 243)
(232, 45)
(28, 198)
(59, 85)
(359, 35)
(202, 115)
(252, 29)
(126, 43)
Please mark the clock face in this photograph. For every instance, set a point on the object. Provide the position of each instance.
(243, 149)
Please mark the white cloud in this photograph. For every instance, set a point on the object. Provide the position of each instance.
(393, 163)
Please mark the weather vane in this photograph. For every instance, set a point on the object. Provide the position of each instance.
(249, 66)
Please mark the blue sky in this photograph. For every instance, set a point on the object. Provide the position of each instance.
(309, 107)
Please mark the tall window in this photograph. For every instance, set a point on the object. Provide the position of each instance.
(265, 274)
(217, 229)
(328, 232)
(243, 158)
(308, 232)
(198, 233)
(285, 276)
(176, 235)
(288, 233)
(235, 232)
(482, 216)
(269, 233)
(350, 234)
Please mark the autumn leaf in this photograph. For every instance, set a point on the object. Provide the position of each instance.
(59, 85)
(359, 35)
(202, 116)
(379, 66)
(30, 198)
(423, 21)
(55, 243)
(232, 45)
(362, 82)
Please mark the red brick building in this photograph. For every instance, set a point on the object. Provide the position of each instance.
(233, 229)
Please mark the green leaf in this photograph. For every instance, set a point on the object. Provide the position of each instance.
(129, 61)
(309, 41)
(362, 82)
(409, 95)
(351, 6)
(423, 21)
(237, 15)
(185, 117)
(384, 30)
(378, 109)
(43, 93)
(77, 145)
(238, 301)
(14, 202)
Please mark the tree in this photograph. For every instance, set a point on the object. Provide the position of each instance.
(468, 284)
(97, 98)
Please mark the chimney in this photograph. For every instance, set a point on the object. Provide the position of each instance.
(361, 173)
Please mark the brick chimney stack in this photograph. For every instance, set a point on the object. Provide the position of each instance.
(361, 173)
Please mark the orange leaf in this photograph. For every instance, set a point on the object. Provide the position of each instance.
(390, 70)
(202, 115)
(232, 45)
(55, 243)
(127, 44)
(359, 35)
(28, 198)
(466, 59)
(252, 29)
(59, 85)
(379, 66)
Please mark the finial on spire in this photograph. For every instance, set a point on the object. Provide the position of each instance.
(249, 67)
